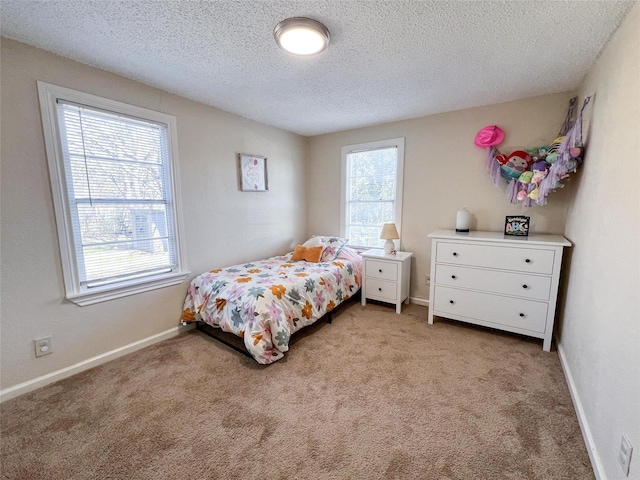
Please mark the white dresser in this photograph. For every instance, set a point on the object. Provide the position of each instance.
(386, 277)
(486, 278)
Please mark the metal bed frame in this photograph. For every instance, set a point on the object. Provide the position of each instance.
(238, 346)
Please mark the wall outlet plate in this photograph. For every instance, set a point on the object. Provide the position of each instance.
(42, 346)
(624, 455)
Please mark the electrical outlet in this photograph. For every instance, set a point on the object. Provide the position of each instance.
(43, 346)
(427, 279)
(624, 455)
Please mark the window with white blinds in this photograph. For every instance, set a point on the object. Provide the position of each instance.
(372, 175)
(114, 184)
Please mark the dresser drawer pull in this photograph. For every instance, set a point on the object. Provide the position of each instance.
(453, 276)
(451, 302)
(528, 260)
(525, 286)
(380, 270)
(522, 314)
(455, 254)
(379, 289)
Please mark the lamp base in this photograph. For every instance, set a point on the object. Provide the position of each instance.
(462, 230)
(389, 247)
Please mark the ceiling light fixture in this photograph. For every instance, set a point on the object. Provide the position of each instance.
(301, 36)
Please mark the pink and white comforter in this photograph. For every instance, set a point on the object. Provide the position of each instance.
(266, 301)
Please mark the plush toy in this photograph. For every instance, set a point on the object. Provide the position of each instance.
(555, 145)
(538, 153)
(543, 152)
(572, 165)
(522, 194)
(517, 163)
(576, 156)
(501, 159)
(575, 152)
(540, 171)
(525, 177)
(551, 158)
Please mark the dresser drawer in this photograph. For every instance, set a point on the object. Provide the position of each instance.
(381, 270)
(530, 260)
(502, 311)
(507, 283)
(380, 288)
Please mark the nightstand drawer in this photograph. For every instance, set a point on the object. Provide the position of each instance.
(507, 283)
(381, 289)
(381, 270)
(505, 311)
(530, 260)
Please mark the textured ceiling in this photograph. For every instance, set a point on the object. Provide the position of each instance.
(387, 60)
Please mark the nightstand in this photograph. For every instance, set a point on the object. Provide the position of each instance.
(386, 277)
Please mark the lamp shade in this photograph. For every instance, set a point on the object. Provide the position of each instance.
(389, 232)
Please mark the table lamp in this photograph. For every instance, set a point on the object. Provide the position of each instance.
(389, 233)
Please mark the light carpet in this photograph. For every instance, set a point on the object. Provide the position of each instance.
(375, 395)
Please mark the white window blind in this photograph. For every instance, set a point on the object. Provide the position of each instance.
(373, 181)
(114, 178)
(117, 176)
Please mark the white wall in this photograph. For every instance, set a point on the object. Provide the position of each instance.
(443, 172)
(222, 225)
(600, 335)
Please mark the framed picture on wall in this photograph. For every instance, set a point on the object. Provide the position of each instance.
(516, 226)
(253, 173)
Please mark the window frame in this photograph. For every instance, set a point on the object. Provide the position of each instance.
(74, 290)
(375, 145)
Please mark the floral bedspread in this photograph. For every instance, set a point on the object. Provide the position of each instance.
(266, 301)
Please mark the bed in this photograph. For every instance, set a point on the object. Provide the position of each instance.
(266, 301)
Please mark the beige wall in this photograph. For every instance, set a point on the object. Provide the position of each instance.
(443, 172)
(222, 226)
(599, 324)
(600, 335)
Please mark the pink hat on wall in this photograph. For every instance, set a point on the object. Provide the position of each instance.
(489, 136)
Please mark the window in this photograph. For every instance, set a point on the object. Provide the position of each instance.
(113, 171)
(371, 190)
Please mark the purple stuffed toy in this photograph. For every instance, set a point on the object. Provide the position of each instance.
(540, 170)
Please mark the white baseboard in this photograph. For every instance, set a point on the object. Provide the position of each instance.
(52, 377)
(596, 464)
(419, 301)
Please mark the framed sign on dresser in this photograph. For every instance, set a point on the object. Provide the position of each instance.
(489, 279)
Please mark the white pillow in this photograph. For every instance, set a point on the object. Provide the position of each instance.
(332, 246)
(313, 242)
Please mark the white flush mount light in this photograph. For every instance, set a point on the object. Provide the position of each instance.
(301, 36)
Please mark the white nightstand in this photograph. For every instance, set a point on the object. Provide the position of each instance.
(386, 277)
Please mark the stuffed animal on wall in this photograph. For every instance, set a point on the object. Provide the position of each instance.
(540, 170)
(555, 145)
(517, 163)
(501, 159)
(530, 175)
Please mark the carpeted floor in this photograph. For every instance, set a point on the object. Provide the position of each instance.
(374, 395)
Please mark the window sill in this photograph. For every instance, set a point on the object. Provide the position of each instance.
(97, 295)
